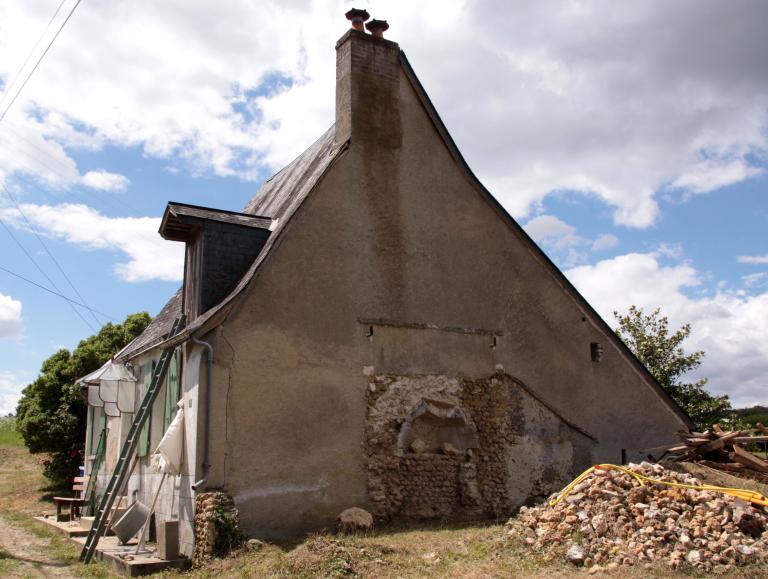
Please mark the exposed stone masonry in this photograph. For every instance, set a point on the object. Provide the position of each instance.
(488, 403)
(217, 526)
(413, 478)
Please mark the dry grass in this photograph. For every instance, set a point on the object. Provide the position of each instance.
(25, 493)
(428, 551)
(436, 551)
(466, 552)
(473, 552)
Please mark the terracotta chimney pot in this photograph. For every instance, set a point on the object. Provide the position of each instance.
(377, 27)
(357, 17)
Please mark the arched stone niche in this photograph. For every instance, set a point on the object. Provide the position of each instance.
(435, 425)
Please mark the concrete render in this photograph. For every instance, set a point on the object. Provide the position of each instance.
(392, 252)
(397, 265)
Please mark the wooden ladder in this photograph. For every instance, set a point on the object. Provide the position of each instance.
(122, 468)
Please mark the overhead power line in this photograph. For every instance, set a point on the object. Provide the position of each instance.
(45, 275)
(11, 84)
(48, 251)
(62, 296)
(39, 60)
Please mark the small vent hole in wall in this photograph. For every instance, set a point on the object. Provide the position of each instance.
(596, 351)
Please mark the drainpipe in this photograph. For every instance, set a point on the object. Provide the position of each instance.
(207, 431)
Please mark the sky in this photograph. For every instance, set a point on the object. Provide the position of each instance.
(630, 139)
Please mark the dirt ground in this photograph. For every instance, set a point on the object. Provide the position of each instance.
(26, 555)
(28, 548)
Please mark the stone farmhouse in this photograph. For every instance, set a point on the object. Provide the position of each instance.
(375, 330)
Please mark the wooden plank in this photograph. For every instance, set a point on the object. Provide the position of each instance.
(718, 443)
(750, 439)
(716, 428)
(728, 466)
(667, 447)
(697, 441)
(748, 459)
(686, 434)
(761, 428)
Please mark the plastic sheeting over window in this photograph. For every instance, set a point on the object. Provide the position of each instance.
(113, 387)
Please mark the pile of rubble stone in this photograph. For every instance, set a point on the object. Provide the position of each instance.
(609, 520)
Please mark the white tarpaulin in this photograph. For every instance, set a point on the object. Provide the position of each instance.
(167, 457)
(93, 396)
(112, 386)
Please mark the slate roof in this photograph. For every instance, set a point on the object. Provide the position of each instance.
(278, 199)
(156, 331)
(180, 218)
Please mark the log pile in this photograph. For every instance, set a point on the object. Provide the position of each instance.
(721, 450)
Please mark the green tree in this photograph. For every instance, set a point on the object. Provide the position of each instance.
(648, 336)
(51, 415)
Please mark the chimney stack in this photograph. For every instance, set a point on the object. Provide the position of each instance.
(377, 27)
(367, 84)
(357, 17)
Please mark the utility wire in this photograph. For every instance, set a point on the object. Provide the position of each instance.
(10, 85)
(48, 251)
(45, 275)
(114, 202)
(39, 60)
(62, 296)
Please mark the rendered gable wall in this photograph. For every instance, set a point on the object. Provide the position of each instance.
(396, 269)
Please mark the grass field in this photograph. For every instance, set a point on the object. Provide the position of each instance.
(9, 436)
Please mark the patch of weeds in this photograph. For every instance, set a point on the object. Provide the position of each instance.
(8, 565)
(9, 436)
(334, 557)
(229, 536)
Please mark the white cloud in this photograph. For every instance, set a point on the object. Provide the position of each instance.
(558, 237)
(149, 256)
(105, 181)
(10, 391)
(755, 279)
(547, 226)
(729, 325)
(757, 259)
(616, 100)
(713, 174)
(605, 241)
(10, 317)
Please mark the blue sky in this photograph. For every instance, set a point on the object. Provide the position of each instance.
(628, 140)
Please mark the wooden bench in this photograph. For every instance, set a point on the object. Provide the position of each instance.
(74, 503)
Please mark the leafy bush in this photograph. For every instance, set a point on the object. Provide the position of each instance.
(51, 415)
